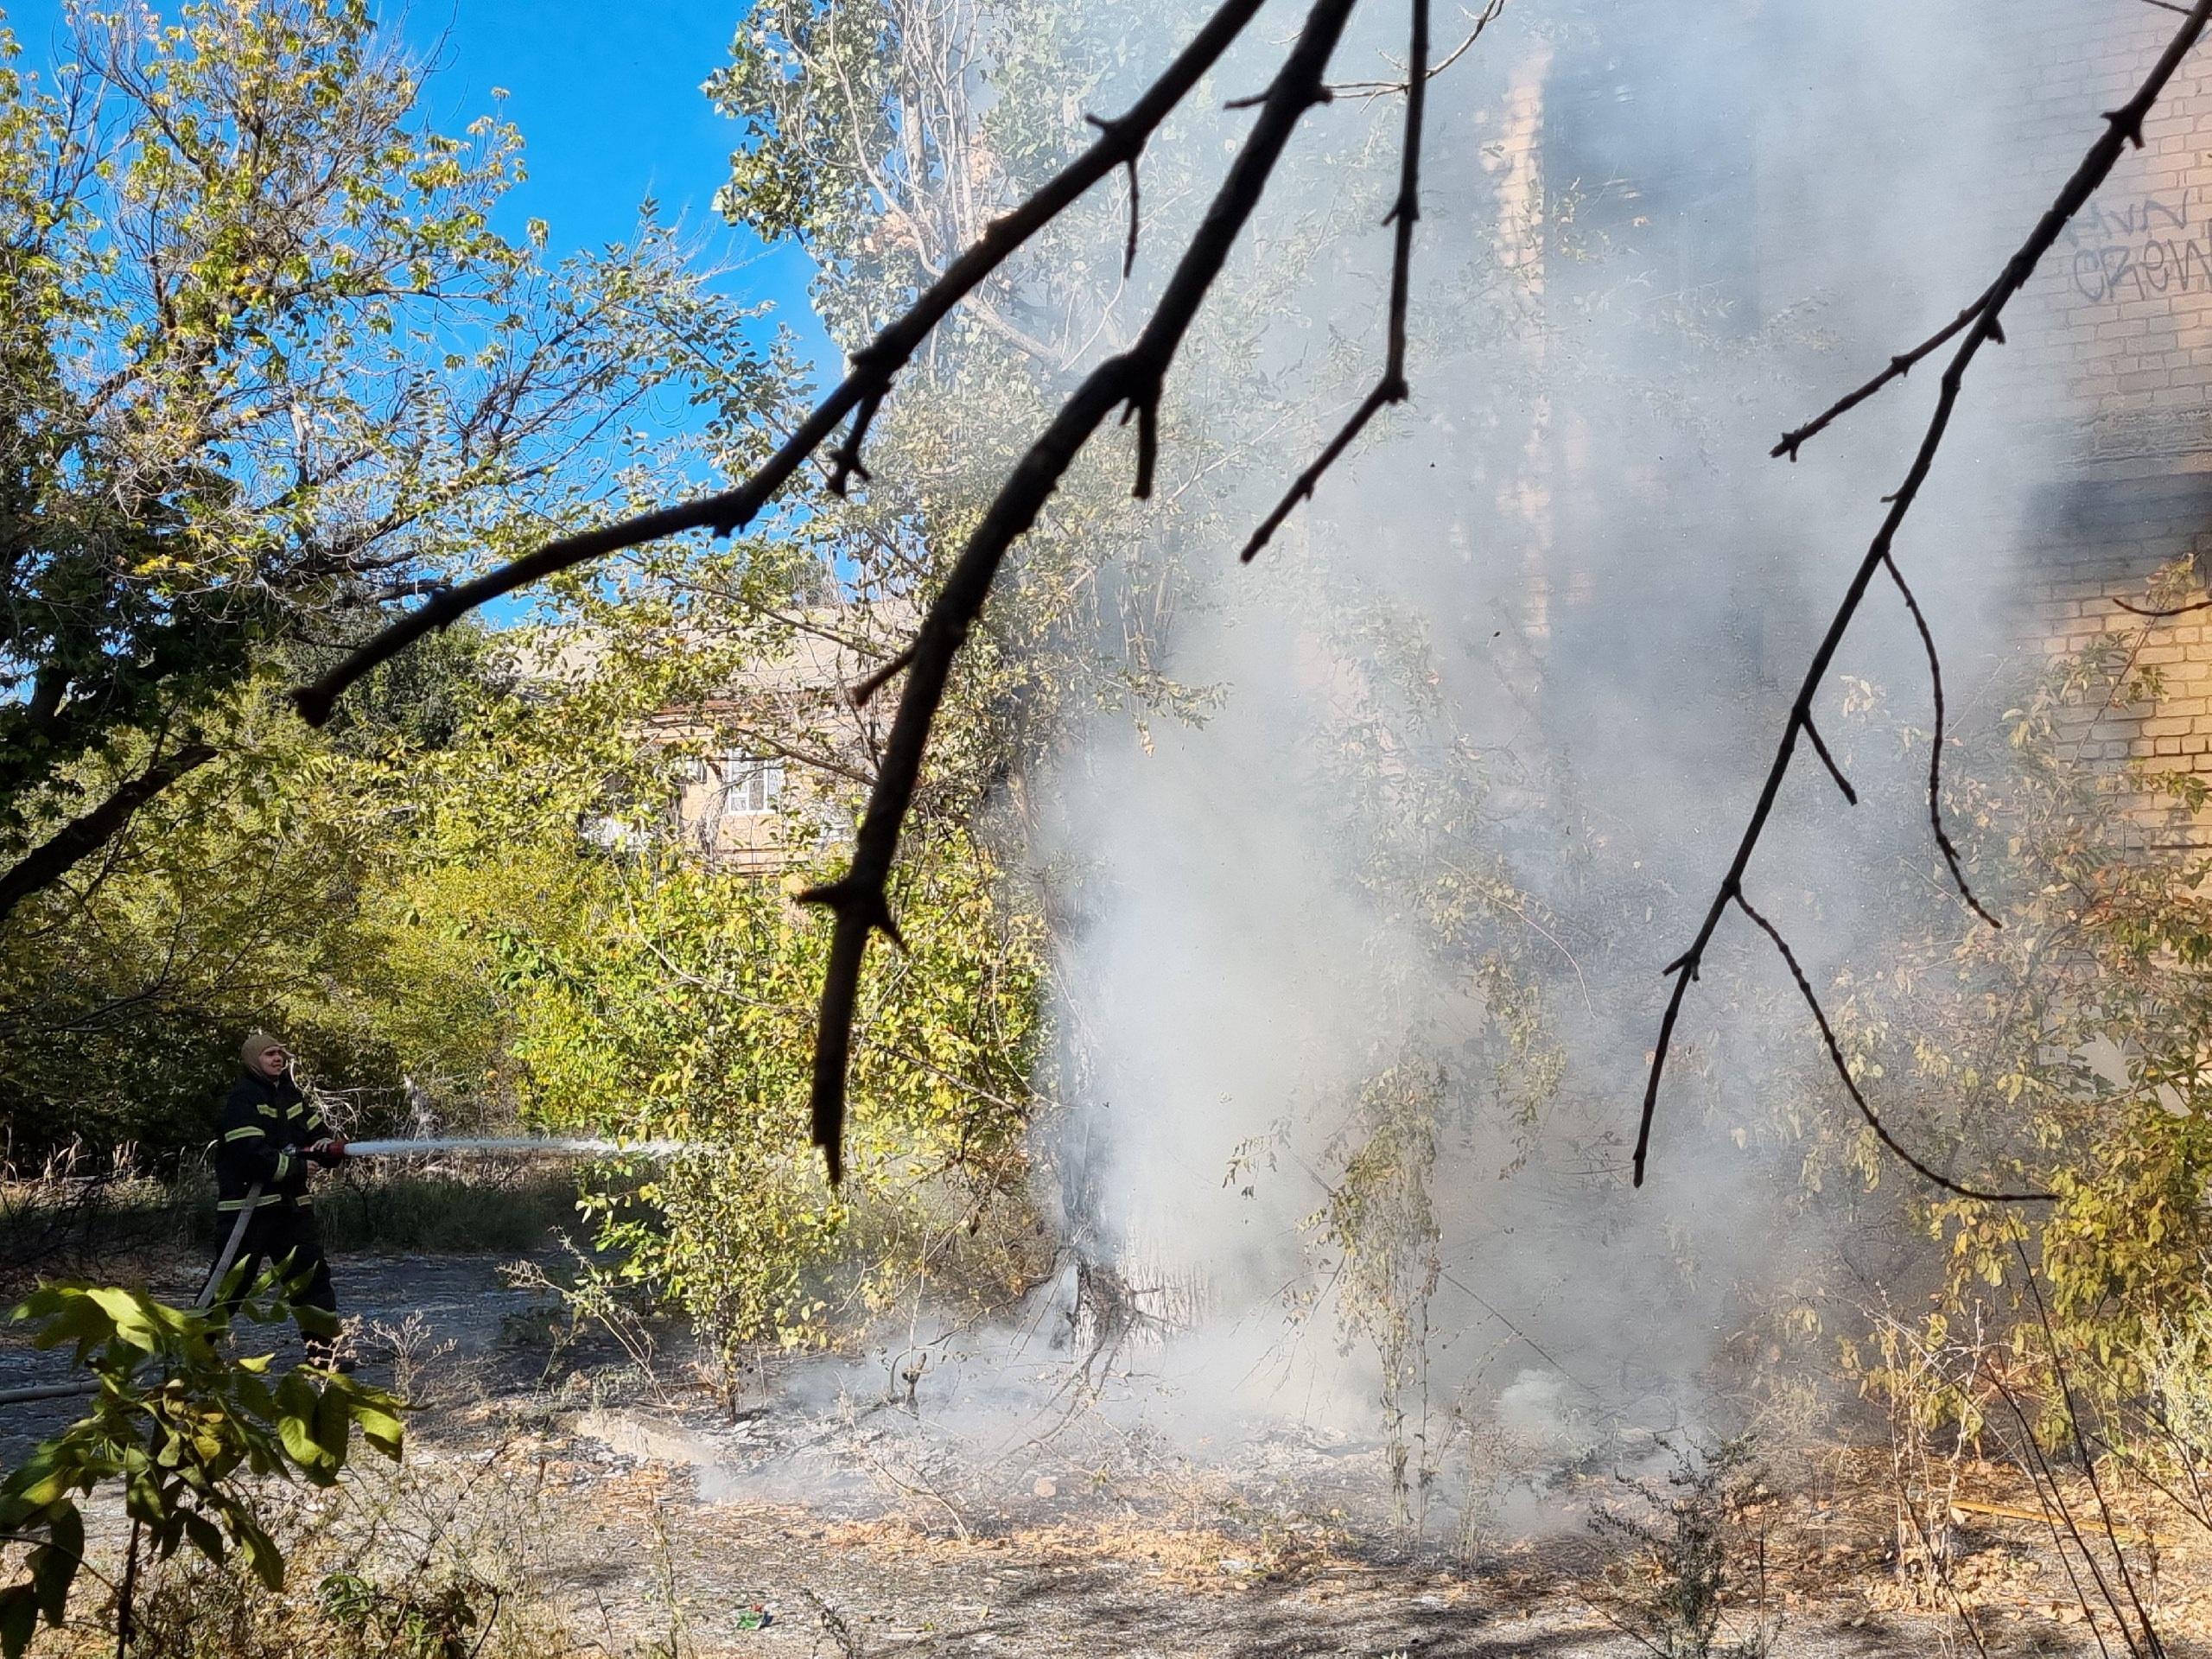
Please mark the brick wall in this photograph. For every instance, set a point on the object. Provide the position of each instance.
(2120, 314)
(2114, 339)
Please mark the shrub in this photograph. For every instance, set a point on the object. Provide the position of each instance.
(497, 1209)
(1682, 1565)
(181, 1430)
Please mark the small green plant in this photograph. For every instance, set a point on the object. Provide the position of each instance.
(179, 1426)
(447, 1622)
(1683, 1562)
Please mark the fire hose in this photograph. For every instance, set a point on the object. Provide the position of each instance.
(574, 1148)
(516, 1144)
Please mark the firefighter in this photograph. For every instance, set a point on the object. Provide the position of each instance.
(270, 1133)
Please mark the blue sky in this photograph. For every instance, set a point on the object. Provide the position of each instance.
(607, 98)
(608, 102)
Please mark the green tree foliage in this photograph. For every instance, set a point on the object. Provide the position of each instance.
(530, 930)
(269, 369)
(693, 1020)
(236, 900)
(182, 1430)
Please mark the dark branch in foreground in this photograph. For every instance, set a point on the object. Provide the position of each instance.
(845, 460)
(1900, 365)
(1820, 748)
(1850, 1083)
(1935, 743)
(1130, 381)
(1119, 142)
(877, 678)
(1136, 211)
(1980, 321)
(1404, 214)
(54, 857)
(2161, 615)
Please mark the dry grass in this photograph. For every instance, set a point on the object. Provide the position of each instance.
(396, 1563)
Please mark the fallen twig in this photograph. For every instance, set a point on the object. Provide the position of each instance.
(2014, 1512)
(834, 1622)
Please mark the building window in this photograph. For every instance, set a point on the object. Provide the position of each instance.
(749, 784)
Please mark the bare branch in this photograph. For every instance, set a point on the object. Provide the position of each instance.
(54, 858)
(1850, 1083)
(1130, 380)
(1119, 141)
(879, 678)
(1369, 89)
(1935, 745)
(1900, 365)
(1404, 214)
(1137, 201)
(2161, 614)
(2123, 126)
(845, 459)
(1820, 748)
(816, 758)
(1136, 208)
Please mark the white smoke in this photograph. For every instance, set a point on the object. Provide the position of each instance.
(1605, 591)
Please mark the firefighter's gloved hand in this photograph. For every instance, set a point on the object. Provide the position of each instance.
(326, 1151)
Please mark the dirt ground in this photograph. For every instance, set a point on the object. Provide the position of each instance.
(858, 1511)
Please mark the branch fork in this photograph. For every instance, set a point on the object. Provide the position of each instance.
(868, 905)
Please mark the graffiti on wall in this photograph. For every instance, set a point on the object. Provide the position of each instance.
(2141, 247)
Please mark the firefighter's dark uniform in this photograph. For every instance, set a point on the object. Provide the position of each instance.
(267, 1123)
